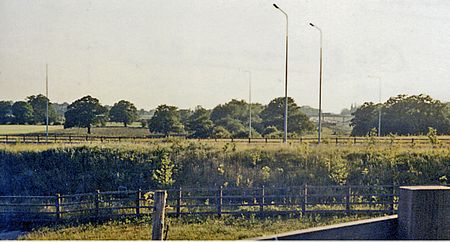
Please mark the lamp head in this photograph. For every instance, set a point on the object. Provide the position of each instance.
(275, 5)
(312, 25)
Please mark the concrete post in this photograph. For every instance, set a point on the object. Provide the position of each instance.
(424, 213)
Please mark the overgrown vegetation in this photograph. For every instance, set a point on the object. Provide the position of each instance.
(41, 170)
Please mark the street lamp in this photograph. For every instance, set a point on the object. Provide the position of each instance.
(320, 84)
(46, 107)
(285, 78)
(249, 104)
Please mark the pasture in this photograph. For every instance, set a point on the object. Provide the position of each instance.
(28, 129)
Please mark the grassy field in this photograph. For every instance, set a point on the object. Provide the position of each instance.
(27, 129)
(194, 228)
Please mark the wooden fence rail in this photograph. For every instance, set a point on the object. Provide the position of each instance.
(73, 139)
(304, 199)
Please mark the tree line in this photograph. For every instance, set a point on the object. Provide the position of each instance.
(402, 115)
(229, 120)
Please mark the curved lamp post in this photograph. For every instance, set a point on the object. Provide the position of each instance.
(285, 78)
(320, 84)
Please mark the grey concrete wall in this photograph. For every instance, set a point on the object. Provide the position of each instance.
(424, 212)
(384, 228)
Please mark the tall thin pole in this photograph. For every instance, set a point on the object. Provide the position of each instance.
(320, 85)
(249, 103)
(46, 108)
(379, 110)
(285, 78)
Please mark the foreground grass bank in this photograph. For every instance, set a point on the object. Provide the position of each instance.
(193, 228)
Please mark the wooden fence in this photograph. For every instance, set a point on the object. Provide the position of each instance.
(73, 139)
(261, 201)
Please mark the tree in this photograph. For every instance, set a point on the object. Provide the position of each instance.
(5, 112)
(39, 104)
(414, 115)
(273, 115)
(403, 115)
(200, 124)
(220, 132)
(234, 109)
(365, 118)
(165, 120)
(237, 111)
(124, 112)
(22, 112)
(185, 114)
(84, 113)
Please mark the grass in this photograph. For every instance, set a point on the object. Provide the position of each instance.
(187, 228)
(106, 131)
(27, 129)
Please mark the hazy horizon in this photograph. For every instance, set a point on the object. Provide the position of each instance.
(189, 53)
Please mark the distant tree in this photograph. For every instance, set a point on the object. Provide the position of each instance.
(165, 120)
(234, 109)
(365, 119)
(273, 115)
(231, 124)
(124, 112)
(200, 124)
(414, 115)
(22, 112)
(403, 115)
(84, 113)
(237, 111)
(5, 112)
(220, 132)
(185, 114)
(39, 104)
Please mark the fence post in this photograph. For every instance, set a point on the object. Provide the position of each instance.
(179, 202)
(232, 140)
(37, 136)
(70, 139)
(23, 138)
(97, 203)
(6, 138)
(158, 215)
(354, 140)
(305, 199)
(265, 139)
(392, 199)
(219, 202)
(249, 140)
(58, 206)
(337, 142)
(138, 201)
(86, 138)
(347, 199)
(262, 201)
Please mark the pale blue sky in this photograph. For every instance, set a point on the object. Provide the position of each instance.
(187, 53)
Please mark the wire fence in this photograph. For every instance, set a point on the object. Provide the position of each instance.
(345, 140)
(261, 201)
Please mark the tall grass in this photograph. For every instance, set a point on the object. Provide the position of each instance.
(192, 228)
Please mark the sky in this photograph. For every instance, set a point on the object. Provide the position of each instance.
(200, 52)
